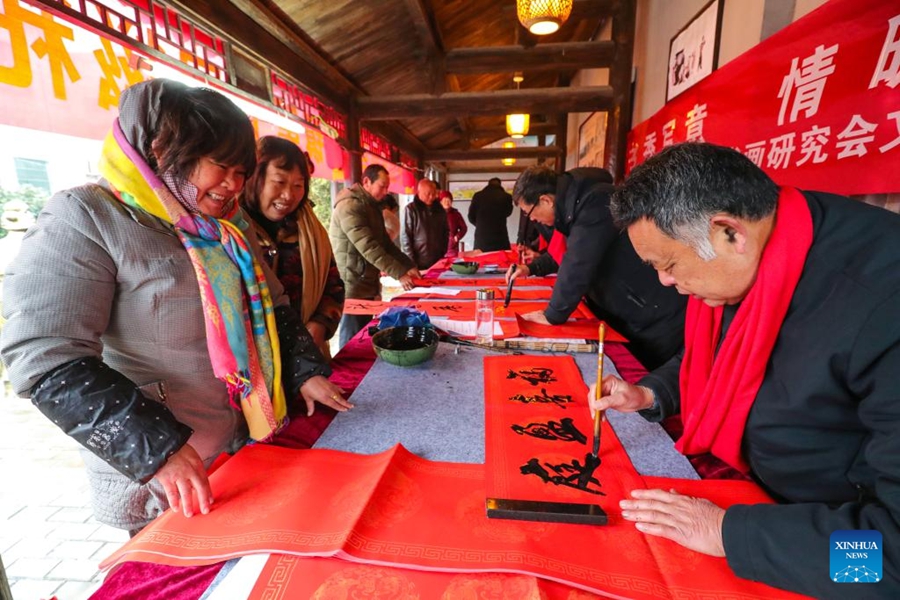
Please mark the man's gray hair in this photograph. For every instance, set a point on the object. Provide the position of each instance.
(682, 187)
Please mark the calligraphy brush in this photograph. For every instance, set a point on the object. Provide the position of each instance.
(509, 290)
(598, 390)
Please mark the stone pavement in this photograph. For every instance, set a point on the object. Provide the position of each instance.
(49, 541)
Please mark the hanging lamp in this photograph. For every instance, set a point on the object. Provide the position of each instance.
(517, 124)
(542, 17)
(509, 161)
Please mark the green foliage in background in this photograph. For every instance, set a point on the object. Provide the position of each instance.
(34, 197)
(320, 193)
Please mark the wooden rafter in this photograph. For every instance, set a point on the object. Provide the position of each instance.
(427, 29)
(542, 57)
(493, 102)
(493, 153)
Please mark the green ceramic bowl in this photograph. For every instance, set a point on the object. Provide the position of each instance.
(465, 267)
(405, 346)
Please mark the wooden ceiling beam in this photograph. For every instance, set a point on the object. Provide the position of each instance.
(542, 57)
(430, 35)
(493, 102)
(462, 170)
(256, 28)
(534, 129)
(580, 8)
(492, 153)
(426, 28)
(398, 135)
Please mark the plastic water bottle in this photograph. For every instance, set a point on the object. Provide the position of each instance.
(484, 317)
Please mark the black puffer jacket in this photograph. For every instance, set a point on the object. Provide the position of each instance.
(601, 266)
(109, 415)
(823, 434)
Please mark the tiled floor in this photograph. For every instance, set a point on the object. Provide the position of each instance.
(49, 542)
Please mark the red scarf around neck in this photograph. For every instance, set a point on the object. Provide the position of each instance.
(718, 389)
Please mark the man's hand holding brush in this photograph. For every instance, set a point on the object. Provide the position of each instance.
(621, 396)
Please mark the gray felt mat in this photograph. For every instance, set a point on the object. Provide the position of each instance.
(436, 410)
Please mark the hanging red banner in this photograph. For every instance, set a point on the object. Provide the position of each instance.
(403, 180)
(816, 105)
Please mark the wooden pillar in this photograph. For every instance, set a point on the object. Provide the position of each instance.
(562, 140)
(355, 174)
(619, 117)
(336, 189)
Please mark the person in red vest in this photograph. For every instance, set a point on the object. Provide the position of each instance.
(789, 372)
(455, 223)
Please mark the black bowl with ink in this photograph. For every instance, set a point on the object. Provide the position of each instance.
(465, 267)
(405, 346)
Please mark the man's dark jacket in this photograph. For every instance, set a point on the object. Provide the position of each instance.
(601, 265)
(488, 212)
(823, 435)
(425, 233)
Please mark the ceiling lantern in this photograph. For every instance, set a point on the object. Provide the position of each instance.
(517, 125)
(509, 161)
(542, 17)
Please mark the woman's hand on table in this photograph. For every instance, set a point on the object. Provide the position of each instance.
(516, 271)
(695, 523)
(621, 396)
(319, 389)
(184, 480)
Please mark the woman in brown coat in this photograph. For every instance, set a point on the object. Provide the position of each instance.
(294, 242)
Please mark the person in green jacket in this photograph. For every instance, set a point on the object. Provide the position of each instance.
(362, 247)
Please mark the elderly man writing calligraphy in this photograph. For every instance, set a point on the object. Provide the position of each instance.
(789, 372)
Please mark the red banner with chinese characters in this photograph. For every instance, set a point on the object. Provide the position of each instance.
(51, 68)
(816, 105)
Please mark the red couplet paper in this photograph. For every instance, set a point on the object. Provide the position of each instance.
(501, 258)
(358, 306)
(469, 294)
(574, 328)
(538, 430)
(481, 282)
(465, 309)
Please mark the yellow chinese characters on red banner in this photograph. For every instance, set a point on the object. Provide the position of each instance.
(50, 70)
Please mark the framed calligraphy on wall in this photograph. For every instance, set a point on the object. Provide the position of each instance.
(592, 140)
(694, 51)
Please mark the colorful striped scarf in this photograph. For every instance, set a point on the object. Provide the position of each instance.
(240, 322)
